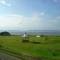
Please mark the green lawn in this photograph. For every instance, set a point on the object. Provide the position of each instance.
(49, 47)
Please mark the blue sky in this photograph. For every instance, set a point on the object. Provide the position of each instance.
(29, 14)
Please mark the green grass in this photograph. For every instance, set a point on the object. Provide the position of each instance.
(49, 48)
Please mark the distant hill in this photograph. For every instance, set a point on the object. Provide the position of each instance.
(45, 32)
(39, 32)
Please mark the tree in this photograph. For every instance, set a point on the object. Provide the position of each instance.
(5, 34)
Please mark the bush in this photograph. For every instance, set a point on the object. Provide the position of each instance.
(25, 40)
(36, 42)
(5, 34)
(42, 35)
(46, 37)
(1, 46)
(54, 54)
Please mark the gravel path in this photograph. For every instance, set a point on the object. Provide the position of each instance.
(7, 57)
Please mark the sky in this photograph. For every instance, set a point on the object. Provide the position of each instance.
(29, 14)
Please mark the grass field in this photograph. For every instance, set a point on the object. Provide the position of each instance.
(48, 49)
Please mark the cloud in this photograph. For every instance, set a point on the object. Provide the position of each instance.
(35, 21)
(39, 13)
(58, 17)
(42, 13)
(56, 1)
(5, 3)
(12, 21)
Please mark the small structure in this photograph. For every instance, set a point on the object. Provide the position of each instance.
(25, 37)
(38, 36)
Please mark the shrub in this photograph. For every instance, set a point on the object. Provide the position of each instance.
(1, 46)
(36, 42)
(42, 35)
(5, 34)
(25, 40)
(46, 38)
(54, 54)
